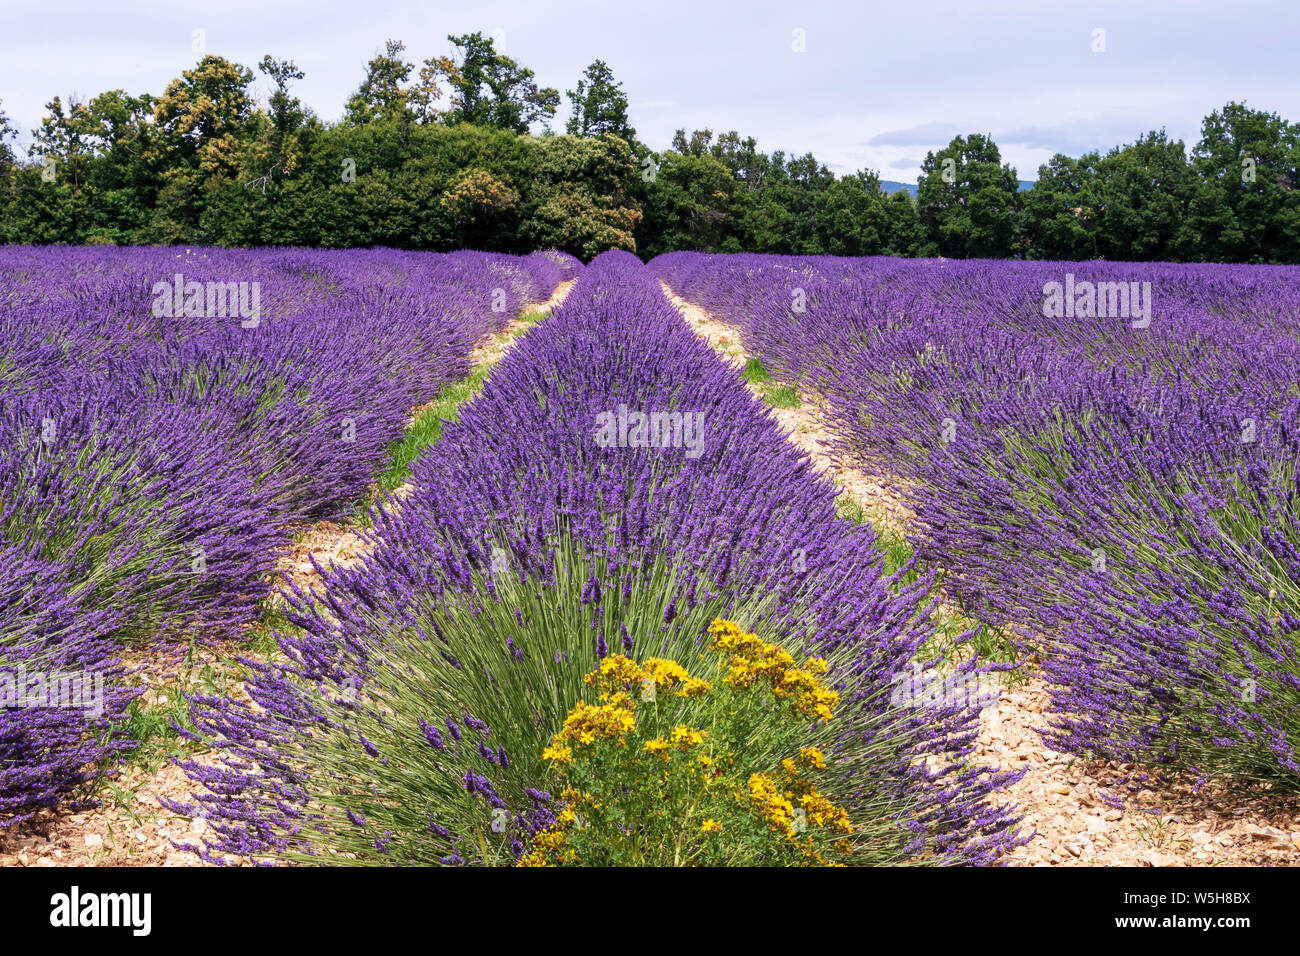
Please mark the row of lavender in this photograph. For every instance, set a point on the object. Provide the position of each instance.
(166, 418)
(548, 529)
(1102, 453)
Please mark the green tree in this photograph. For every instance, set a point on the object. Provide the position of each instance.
(64, 139)
(801, 184)
(1059, 216)
(271, 150)
(852, 217)
(286, 110)
(1143, 196)
(690, 201)
(8, 161)
(479, 204)
(1247, 203)
(382, 95)
(64, 150)
(742, 157)
(967, 199)
(581, 195)
(697, 145)
(491, 89)
(599, 105)
(906, 233)
(200, 122)
(7, 157)
(428, 91)
(121, 185)
(201, 115)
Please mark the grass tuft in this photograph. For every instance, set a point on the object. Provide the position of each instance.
(778, 396)
(782, 396)
(755, 373)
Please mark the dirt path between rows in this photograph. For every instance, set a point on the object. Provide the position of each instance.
(1085, 813)
(131, 827)
(880, 499)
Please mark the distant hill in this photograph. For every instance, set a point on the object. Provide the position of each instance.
(889, 186)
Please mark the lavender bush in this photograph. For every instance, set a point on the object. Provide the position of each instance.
(50, 746)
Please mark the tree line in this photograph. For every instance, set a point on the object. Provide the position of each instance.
(442, 156)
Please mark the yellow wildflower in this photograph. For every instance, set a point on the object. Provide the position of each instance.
(558, 754)
(694, 687)
(812, 758)
(770, 803)
(684, 736)
(615, 671)
(666, 674)
(586, 722)
(567, 815)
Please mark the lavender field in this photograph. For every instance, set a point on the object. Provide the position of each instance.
(625, 605)
(154, 457)
(1118, 483)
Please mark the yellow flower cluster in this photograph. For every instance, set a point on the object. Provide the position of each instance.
(771, 804)
(683, 738)
(752, 658)
(586, 723)
(618, 673)
(549, 846)
(812, 758)
(817, 809)
(614, 671)
(558, 754)
(787, 802)
(776, 803)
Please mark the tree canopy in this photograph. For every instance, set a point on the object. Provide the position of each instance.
(458, 152)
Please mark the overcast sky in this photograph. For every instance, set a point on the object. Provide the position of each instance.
(876, 86)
